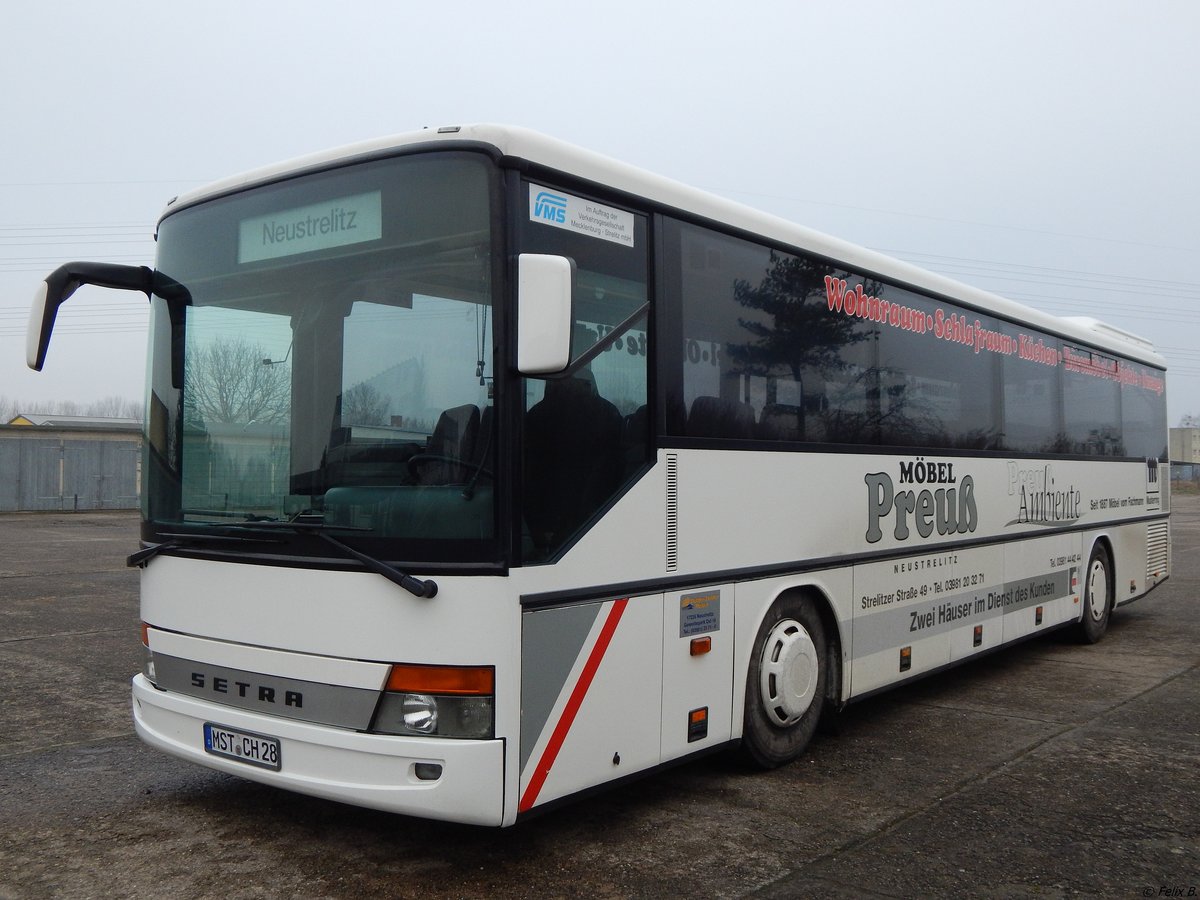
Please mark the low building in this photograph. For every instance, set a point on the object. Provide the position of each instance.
(1184, 449)
(1185, 445)
(50, 462)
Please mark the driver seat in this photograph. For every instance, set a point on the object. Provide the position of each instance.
(453, 445)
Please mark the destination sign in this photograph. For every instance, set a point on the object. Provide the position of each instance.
(321, 226)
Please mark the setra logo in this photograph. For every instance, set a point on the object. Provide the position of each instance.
(266, 694)
(551, 207)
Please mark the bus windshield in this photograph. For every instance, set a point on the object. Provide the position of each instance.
(325, 357)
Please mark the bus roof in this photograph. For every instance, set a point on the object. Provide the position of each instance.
(560, 156)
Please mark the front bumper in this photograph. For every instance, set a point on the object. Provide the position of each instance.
(376, 771)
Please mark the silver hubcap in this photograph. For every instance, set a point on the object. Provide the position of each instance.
(788, 677)
(1098, 590)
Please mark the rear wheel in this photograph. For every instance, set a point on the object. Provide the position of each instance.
(786, 683)
(1097, 596)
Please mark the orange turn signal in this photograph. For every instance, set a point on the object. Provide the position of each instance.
(145, 635)
(700, 646)
(456, 680)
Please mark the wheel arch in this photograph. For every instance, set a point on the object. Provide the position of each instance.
(776, 616)
(1092, 624)
(836, 645)
(1104, 540)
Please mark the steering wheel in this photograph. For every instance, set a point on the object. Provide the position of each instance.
(416, 461)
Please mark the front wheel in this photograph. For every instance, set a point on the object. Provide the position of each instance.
(1097, 596)
(785, 684)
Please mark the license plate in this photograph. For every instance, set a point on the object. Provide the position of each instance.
(243, 746)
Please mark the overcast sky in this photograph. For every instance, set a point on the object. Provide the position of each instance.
(1048, 151)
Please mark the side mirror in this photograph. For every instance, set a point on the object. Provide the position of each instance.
(545, 313)
(61, 284)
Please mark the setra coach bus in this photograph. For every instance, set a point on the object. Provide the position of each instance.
(481, 470)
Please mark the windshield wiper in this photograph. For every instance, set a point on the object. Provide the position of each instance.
(296, 525)
(415, 586)
(139, 559)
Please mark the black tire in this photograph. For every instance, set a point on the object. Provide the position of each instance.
(1097, 596)
(783, 709)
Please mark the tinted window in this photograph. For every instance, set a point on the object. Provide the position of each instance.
(780, 347)
(938, 376)
(1143, 412)
(1032, 400)
(1091, 403)
(760, 358)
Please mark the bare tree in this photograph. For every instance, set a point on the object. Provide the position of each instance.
(115, 407)
(135, 409)
(232, 380)
(363, 405)
(112, 407)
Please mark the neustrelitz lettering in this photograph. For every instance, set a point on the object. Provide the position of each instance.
(336, 220)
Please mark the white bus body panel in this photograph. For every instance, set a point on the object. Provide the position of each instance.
(612, 688)
(338, 628)
(631, 712)
(703, 681)
(348, 615)
(604, 722)
(920, 596)
(369, 770)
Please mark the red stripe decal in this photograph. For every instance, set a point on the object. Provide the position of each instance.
(540, 773)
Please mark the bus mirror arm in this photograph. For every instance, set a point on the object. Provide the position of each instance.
(61, 284)
(415, 586)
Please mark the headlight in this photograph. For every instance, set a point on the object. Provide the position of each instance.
(419, 712)
(441, 701)
(428, 714)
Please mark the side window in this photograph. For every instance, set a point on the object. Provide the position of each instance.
(939, 367)
(764, 345)
(1032, 401)
(585, 434)
(760, 356)
(1143, 413)
(1091, 403)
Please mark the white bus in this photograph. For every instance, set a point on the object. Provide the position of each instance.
(481, 471)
